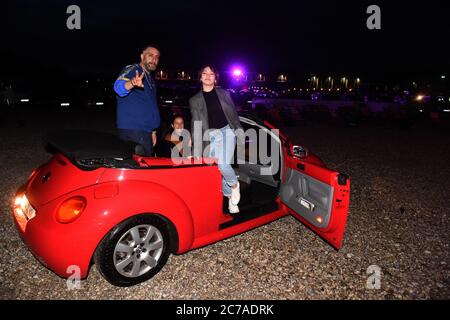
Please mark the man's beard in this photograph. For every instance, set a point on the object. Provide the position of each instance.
(150, 67)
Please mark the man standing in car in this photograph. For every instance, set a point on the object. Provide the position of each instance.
(137, 109)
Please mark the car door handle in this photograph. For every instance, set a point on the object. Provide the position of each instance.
(301, 166)
(305, 203)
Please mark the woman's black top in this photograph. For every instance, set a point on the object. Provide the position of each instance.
(216, 117)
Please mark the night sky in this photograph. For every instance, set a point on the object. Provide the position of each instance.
(277, 36)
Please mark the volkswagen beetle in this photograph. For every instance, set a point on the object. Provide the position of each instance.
(98, 202)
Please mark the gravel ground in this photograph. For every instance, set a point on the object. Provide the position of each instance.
(398, 220)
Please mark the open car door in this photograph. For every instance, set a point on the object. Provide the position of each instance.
(318, 197)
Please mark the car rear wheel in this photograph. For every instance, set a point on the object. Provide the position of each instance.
(133, 251)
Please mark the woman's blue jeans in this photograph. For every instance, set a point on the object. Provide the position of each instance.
(223, 142)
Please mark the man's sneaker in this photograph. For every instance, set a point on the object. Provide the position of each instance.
(235, 195)
(232, 208)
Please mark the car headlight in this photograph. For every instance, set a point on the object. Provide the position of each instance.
(23, 211)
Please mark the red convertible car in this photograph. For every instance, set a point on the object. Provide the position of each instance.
(97, 202)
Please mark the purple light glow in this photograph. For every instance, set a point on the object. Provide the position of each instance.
(237, 72)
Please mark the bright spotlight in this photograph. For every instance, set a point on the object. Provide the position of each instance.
(237, 72)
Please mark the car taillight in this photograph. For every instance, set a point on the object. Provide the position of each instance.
(71, 209)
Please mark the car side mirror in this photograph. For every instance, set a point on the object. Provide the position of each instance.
(299, 151)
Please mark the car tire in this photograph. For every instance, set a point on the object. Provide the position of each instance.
(133, 251)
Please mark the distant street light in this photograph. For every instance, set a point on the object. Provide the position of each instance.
(282, 78)
(261, 78)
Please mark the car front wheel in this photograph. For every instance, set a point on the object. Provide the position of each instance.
(133, 251)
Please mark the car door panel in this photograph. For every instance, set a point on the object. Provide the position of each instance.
(308, 197)
(318, 197)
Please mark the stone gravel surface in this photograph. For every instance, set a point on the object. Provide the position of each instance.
(398, 220)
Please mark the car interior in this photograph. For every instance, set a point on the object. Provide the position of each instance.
(258, 172)
(259, 175)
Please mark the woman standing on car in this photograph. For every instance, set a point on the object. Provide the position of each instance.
(215, 109)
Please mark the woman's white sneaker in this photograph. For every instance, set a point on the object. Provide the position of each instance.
(231, 207)
(235, 195)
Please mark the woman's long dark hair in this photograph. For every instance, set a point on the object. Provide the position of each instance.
(213, 69)
(172, 120)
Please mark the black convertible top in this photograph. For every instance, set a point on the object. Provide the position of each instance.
(83, 145)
